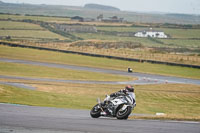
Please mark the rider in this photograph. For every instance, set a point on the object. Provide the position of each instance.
(128, 90)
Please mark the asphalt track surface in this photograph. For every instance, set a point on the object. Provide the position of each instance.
(31, 119)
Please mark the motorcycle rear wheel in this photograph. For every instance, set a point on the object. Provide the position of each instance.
(95, 112)
(123, 114)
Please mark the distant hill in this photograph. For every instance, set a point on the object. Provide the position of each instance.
(178, 15)
(101, 7)
(93, 10)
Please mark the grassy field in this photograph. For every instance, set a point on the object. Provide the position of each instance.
(175, 100)
(19, 25)
(59, 20)
(145, 54)
(55, 57)
(96, 36)
(30, 34)
(181, 33)
(15, 69)
(174, 33)
(173, 43)
(119, 29)
(185, 38)
(129, 50)
(36, 18)
(26, 30)
(190, 36)
(184, 44)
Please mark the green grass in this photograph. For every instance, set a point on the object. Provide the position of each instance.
(56, 57)
(184, 37)
(182, 33)
(36, 18)
(120, 29)
(19, 25)
(30, 34)
(35, 98)
(175, 100)
(174, 33)
(173, 97)
(185, 43)
(96, 36)
(26, 30)
(10, 28)
(15, 69)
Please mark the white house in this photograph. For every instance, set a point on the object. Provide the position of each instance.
(151, 33)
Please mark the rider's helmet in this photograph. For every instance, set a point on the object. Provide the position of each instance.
(129, 88)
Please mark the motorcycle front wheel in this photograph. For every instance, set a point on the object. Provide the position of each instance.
(95, 112)
(123, 114)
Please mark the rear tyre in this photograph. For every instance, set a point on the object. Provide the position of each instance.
(123, 114)
(95, 112)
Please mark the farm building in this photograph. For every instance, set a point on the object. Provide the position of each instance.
(151, 33)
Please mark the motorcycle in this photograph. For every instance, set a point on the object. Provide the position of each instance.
(119, 107)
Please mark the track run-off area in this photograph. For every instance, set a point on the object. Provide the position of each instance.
(32, 119)
(142, 77)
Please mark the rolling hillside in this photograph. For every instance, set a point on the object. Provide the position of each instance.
(70, 11)
(101, 7)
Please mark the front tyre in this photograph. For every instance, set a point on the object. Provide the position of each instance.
(123, 114)
(95, 112)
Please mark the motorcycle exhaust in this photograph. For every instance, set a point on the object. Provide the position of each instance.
(99, 102)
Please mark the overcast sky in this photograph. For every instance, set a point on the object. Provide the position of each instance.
(169, 6)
